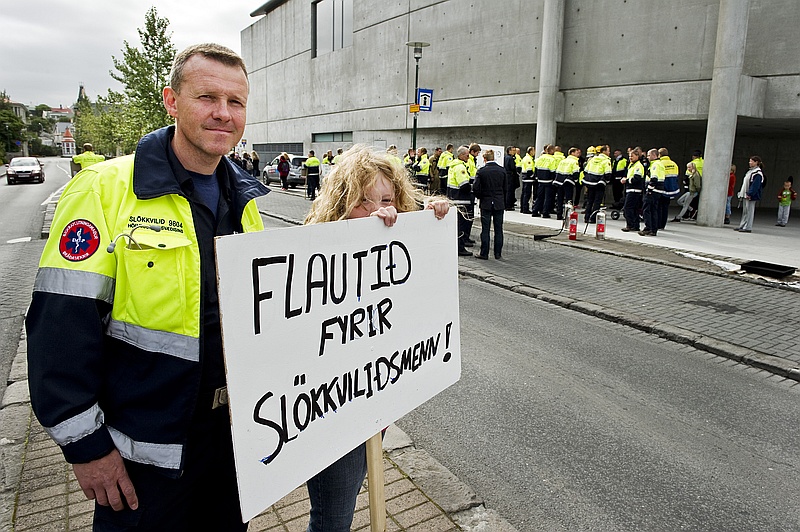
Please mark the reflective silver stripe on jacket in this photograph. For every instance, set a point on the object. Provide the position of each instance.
(75, 283)
(77, 427)
(176, 345)
(634, 190)
(167, 455)
(460, 202)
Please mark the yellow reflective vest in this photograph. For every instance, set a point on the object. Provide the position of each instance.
(444, 161)
(87, 159)
(458, 187)
(568, 171)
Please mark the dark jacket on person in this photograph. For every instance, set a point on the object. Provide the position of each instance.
(756, 184)
(510, 165)
(490, 186)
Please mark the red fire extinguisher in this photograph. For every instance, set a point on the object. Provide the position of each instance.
(600, 226)
(573, 224)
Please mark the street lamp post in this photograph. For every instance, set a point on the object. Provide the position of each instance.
(417, 46)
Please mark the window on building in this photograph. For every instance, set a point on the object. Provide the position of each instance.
(344, 136)
(332, 21)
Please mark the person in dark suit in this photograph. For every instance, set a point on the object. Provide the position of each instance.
(491, 187)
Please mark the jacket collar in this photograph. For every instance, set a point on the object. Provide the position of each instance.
(157, 172)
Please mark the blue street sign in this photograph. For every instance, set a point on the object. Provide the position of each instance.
(425, 99)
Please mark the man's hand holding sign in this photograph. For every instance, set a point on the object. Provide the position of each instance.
(329, 331)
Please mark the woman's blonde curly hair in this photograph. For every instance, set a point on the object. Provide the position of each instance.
(357, 170)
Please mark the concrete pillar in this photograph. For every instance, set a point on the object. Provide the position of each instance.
(722, 110)
(549, 72)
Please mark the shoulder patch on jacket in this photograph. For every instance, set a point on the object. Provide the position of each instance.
(79, 241)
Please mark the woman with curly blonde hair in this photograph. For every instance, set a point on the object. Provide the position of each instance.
(364, 182)
(367, 182)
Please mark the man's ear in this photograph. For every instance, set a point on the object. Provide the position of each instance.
(170, 102)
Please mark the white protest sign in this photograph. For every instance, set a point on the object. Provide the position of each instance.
(331, 333)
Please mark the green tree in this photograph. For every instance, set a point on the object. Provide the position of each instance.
(41, 109)
(144, 73)
(11, 127)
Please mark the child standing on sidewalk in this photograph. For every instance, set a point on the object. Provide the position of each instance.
(785, 198)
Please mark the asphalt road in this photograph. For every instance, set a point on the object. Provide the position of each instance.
(566, 422)
(21, 214)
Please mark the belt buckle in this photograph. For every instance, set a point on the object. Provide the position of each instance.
(220, 397)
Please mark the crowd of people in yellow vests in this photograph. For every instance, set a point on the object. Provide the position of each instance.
(642, 183)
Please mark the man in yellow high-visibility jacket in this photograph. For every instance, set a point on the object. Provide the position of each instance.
(125, 362)
(88, 157)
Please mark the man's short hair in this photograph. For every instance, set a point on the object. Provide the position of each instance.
(311, 153)
(461, 151)
(88, 147)
(488, 155)
(449, 146)
(474, 147)
(216, 52)
(663, 152)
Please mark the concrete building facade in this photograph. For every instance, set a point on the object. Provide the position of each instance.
(617, 72)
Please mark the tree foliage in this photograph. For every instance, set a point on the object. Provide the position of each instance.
(11, 127)
(119, 119)
(145, 72)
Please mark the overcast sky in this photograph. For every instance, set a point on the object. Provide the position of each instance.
(49, 47)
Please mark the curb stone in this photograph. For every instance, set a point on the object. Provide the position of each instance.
(437, 482)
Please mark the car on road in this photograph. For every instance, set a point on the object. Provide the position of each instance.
(296, 173)
(24, 169)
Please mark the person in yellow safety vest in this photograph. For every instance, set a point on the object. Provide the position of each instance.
(634, 188)
(558, 155)
(392, 150)
(528, 181)
(459, 191)
(312, 175)
(590, 152)
(672, 187)
(409, 158)
(652, 196)
(619, 170)
(597, 175)
(125, 365)
(88, 157)
(472, 169)
(543, 167)
(421, 168)
(336, 157)
(443, 164)
(697, 159)
(567, 175)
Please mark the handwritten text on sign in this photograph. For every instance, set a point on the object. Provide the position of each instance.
(331, 333)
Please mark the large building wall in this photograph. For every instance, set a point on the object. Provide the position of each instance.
(632, 73)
